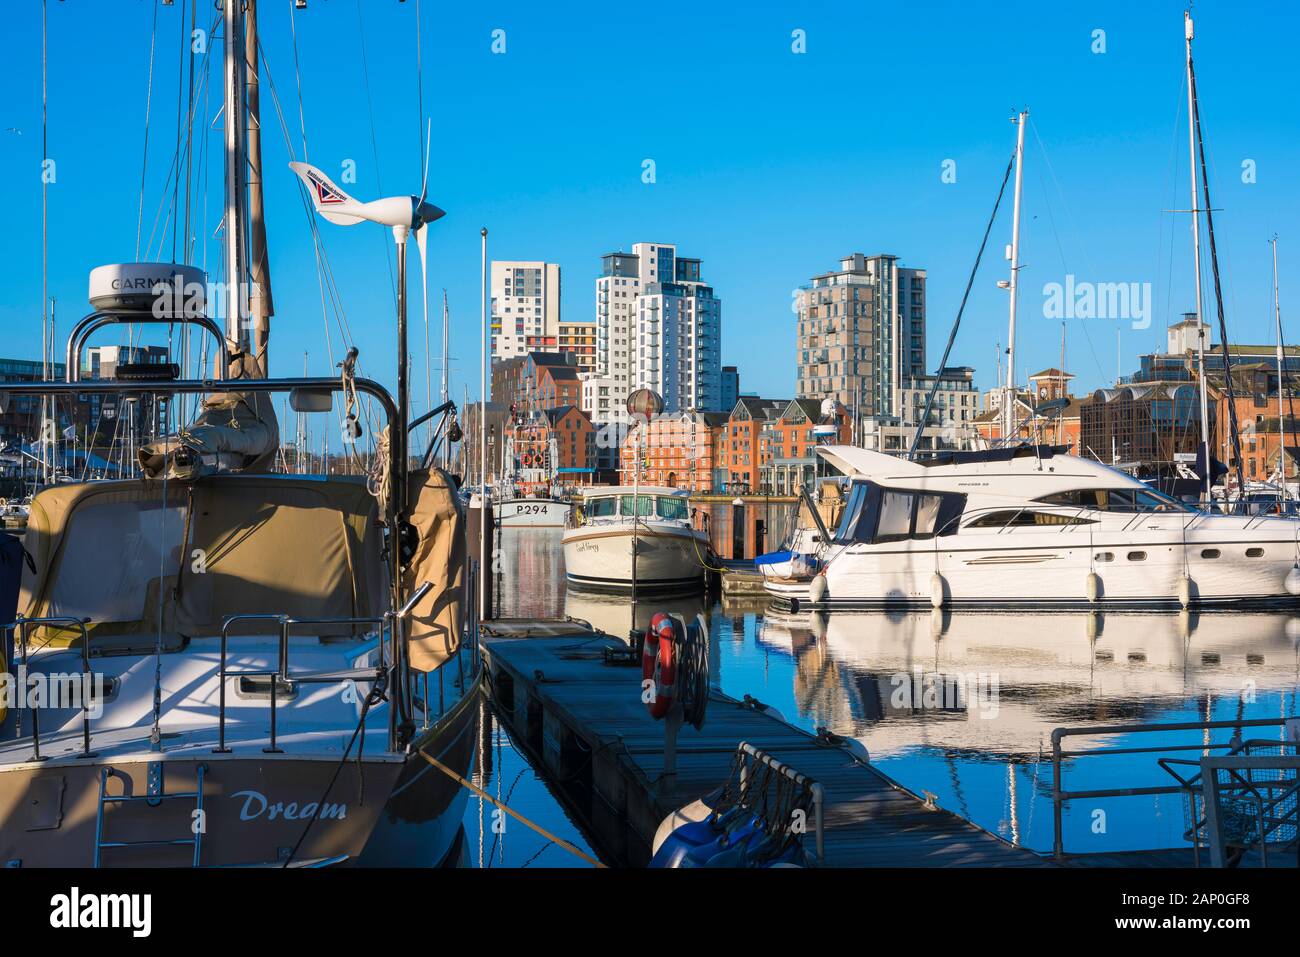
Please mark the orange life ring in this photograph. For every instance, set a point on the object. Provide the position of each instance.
(659, 663)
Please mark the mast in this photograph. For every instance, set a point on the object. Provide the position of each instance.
(234, 224)
(1188, 33)
(1281, 378)
(1060, 418)
(445, 316)
(1008, 404)
(484, 508)
(260, 305)
(1234, 433)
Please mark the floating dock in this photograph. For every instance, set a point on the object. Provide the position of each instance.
(583, 724)
(741, 580)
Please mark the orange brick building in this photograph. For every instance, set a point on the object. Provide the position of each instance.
(742, 446)
(678, 450)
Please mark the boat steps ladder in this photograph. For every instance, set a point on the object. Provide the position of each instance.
(156, 794)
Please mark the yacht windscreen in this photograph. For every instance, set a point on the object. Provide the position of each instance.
(672, 509)
(606, 507)
(875, 514)
(644, 505)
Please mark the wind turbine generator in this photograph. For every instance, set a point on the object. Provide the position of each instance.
(401, 214)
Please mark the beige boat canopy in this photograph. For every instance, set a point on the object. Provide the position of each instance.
(140, 559)
(137, 558)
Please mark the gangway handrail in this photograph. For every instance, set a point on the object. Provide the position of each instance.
(1060, 796)
(1263, 794)
(748, 751)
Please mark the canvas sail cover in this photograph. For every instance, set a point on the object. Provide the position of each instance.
(435, 623)
(235, 431)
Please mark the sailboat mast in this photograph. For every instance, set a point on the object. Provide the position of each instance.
(1008, 404)
(236, 82)
(260, 305)
(1188, 33)
(1281, 379)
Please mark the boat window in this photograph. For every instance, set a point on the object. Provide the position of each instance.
(927, 514)
(644, 505)
(1254, 553)
(1012, 517)
(605, 507)
(1209, 553)
(895, 516)
(146, 538)
(852, 512)
(1117, 500)
(875, 514)
(672, 508)
(1137, 556)
(1105, 556)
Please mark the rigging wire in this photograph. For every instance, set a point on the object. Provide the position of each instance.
(374, 142)
(180, 86)
(325, 274)
(1051, 171)
(148, 109)
(952, 333)
(1218, 288)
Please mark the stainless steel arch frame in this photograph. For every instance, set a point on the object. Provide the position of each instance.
(97, 320)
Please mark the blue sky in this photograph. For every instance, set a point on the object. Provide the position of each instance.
(770, 165)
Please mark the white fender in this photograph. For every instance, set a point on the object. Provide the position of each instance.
(817, 589)
(937, 590)
(1292, 582)
(857, 749)
(1184, 591)
(1094, 586)
(691, 813)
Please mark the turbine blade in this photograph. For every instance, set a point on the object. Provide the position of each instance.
(428, 142)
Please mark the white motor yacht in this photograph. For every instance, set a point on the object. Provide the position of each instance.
(1033, 526)
(609, 544)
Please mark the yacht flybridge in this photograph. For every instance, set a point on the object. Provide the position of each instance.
(1030, 525)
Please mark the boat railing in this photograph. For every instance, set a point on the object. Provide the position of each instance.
(20, 626)
(285, 624)
(752, 759)
(1061, 797)
(388, 660)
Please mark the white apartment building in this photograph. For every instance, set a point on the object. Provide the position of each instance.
(525, 308)
(658, 327)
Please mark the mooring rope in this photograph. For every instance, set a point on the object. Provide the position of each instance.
(513, 813)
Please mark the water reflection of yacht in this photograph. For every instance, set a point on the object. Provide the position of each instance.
(612, 614)
(1031, 526)
(858, 673)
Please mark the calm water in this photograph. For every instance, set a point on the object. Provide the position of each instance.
(985, 755)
